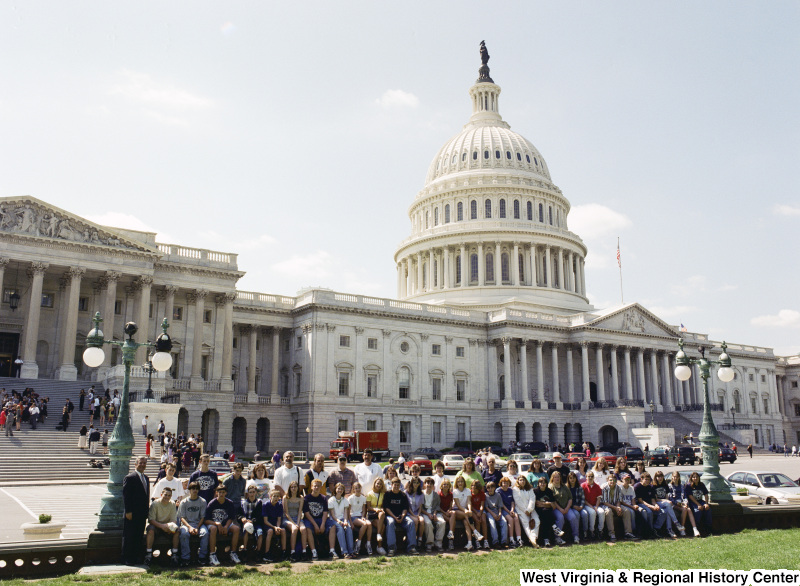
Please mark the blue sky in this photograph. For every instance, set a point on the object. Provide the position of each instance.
(297, 134)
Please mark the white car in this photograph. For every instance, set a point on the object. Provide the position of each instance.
(520, 457)
(452, 462)
(773, 487)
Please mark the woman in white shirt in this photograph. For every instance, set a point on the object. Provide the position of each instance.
(524, 503)
(339, 508)
(601, 472)
(511, 472)
(358, 516)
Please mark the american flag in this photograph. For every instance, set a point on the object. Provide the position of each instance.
(619, 258)
(683, 328)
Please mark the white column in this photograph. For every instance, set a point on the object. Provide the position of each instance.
(554, 363)
(431, 284)
(614, 394)
(420, 281)
(628, 374)
(640, 374)
(539, 371)
(523, 360)
(227, 300)
(481, 266)
(491, 359)
(571, 377)
(601, 371)
(252, 361)
(36, 273)
(447, 277)
(570, 274)
(199, 296)
(67, 370)
(464, 267)
(587, 394)
(507, 367)
(654, 394)
(549, 265)
(667, 372)
(400, 275)
(110, 280)
(561, 272)
(583, 278)
(515, 265)
(276, 362)
(498, 272)
(145, 283)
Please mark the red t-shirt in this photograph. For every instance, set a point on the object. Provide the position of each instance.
(591, 493)
(477, 500)
(446, 501)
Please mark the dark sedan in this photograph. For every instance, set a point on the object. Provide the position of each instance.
(727, 455)
(657, 458)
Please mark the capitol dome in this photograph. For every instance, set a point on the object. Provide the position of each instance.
(489, 227)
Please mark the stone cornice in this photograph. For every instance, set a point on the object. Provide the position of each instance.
(198, 270)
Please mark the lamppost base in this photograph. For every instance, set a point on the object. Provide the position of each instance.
(727, 517)
(109, 542)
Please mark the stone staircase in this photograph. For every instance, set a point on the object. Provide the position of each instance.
(684, 424)
(48, 454)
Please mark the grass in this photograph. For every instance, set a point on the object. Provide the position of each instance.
(773, 549)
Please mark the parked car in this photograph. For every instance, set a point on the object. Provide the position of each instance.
(610, 458)
(422, 460)
(430, 453)
(682, 455)
(727, 455)
(520, 457)
(219, 465)
(773, 487)
(452, 462)
(534, 447)
(657, 457)
(631, 454)
(685, 474)
(573, 457)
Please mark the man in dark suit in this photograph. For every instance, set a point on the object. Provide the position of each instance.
(136, 498)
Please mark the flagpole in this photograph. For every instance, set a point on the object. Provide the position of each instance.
(619, 263)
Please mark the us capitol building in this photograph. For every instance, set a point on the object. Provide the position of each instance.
(491, 336)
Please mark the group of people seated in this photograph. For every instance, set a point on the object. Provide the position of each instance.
(293, 516)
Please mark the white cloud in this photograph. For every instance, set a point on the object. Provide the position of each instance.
(594, 220)
(397, 99)
(140, 87)
(786, 318)
(309, 267)
(786, 210)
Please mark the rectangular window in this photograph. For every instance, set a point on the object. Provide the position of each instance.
(405, 432)
(285, 385)
(344, 341)
(459, 351)
(204, 367)
(461, 431)
(751, 377)
(344, 384)
(343, 425)
(207, 316)
(753, 406)
(372, 385)
(83, 305)
(461, 390)
(437, 389)
(258, 343)
(766, 405)
(7, 295)
(236, 342)
(299, 342)
(177, 313)
(763, 378)
(372, 343)
(437, 432)
(797, 410)
(403, 394)
(286, 343)
(436, 349)
(372, 425)
(794, 384)
(47, 300)
(298, 383)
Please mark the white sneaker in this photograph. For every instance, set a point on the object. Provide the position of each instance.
(369, 549)
(333, 555)
(357, 546)
(679, 527)
(485, 544)
(235, 558)
(478, 536)
(450, 535)
(379, 539)
(381, 551)
(696, 531)
(560, 541)
(557, 530)
(469, 546)
(682, 531)
(212, 559)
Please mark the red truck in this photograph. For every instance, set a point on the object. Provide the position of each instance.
(353, 443)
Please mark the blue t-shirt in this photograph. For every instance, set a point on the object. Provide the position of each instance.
(316, 505)
(272, 512)
(507, 496)
(220, 512)
(208, 482)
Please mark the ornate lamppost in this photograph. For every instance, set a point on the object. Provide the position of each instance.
(121, 443)
(709, 438)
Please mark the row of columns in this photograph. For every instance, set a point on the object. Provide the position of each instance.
(543, 266)
(251, 331)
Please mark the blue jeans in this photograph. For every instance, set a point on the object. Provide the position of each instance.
(345, 538)
(184, 539)
(647, 520)
(573, 517)
(493, 525)
(392, 525)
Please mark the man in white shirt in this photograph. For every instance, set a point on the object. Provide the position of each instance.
(287, 473)
(367, 471)
(169, 481)
(144, 426)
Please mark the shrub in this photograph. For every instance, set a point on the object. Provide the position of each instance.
(44, 518)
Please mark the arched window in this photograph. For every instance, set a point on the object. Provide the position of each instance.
(459, 212)
(473, 210)
(473, 268)
(521, 268)
(502, 208)
(485, 154)
(435, 216)
(541, 213)
(475, 155)
(519, 157)
(530, 212)
(463, 157)
(497, 154)
(458, 269)
(489, 267)
(447, 213)
(504, 267)
(516, 209)
(550, 214)
(508, 155)
(487, 205)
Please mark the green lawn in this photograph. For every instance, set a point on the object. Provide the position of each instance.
(774, 549)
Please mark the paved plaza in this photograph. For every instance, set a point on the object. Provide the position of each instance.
(77, 504)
